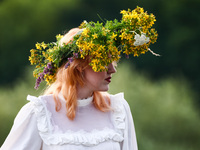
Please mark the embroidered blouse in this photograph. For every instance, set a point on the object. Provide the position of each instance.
(39, 127)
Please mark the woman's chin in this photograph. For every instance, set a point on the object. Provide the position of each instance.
(104, 89)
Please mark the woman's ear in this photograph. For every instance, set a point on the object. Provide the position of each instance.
(80, 75)
(79, 68)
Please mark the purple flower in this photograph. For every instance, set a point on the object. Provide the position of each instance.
(49, 66)
(75, 55)
(38, 80)
(46, 70)
(41, 76)
(67, 65)
(70, 59)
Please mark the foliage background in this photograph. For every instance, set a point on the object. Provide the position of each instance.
(163, 92)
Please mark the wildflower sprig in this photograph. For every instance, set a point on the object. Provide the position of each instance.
(132, 35)
(49, 57)
(104, 43)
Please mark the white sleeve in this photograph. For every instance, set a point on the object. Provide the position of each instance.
(24, 133)
(130, 142)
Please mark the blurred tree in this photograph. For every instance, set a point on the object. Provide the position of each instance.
(23, 23)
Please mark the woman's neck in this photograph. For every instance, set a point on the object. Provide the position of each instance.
(83, 92)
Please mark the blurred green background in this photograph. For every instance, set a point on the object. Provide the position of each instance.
(163, 92)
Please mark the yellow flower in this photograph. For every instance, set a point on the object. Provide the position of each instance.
(122, 35)
(113, 36)
(50, 59)
(51, 77)
(123, 11)
(95, 36)
(59, 36)
(129, 36)
(85, 32)
(31, 60)
(91, 45)
(44, 45)
(55, 47)
(141, 10)
(134, 15)
(50, 50)
(32, 50)
(94, 67)
(37, 45)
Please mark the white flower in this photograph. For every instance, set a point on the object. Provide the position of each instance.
(85, 22)
(140, 39)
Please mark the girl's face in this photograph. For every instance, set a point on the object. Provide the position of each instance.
(98, 81)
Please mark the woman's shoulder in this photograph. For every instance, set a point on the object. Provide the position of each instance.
(117, 96)
(42, 111)
(41, 101)
(41, 104)
(120, 105)
(118, 99)
(39, 98)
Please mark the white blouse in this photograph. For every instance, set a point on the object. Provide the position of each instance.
(39, 127)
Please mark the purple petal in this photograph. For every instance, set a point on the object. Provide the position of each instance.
(75, 55)
(67, 65)
(41, 76)
(70, 59)
(38, 80)
(49, 66)
(46, 70)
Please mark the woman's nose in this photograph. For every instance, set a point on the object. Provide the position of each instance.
(111, 68)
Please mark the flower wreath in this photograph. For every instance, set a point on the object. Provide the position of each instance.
(103, 43)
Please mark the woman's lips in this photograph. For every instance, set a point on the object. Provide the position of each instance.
(108, 79)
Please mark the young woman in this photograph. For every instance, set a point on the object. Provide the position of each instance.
(76, 112)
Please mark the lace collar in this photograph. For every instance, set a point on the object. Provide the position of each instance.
(80, 102)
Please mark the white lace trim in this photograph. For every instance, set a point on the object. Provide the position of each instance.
(80, 137)
(81, 102)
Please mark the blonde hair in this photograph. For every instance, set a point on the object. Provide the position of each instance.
(67, 81)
